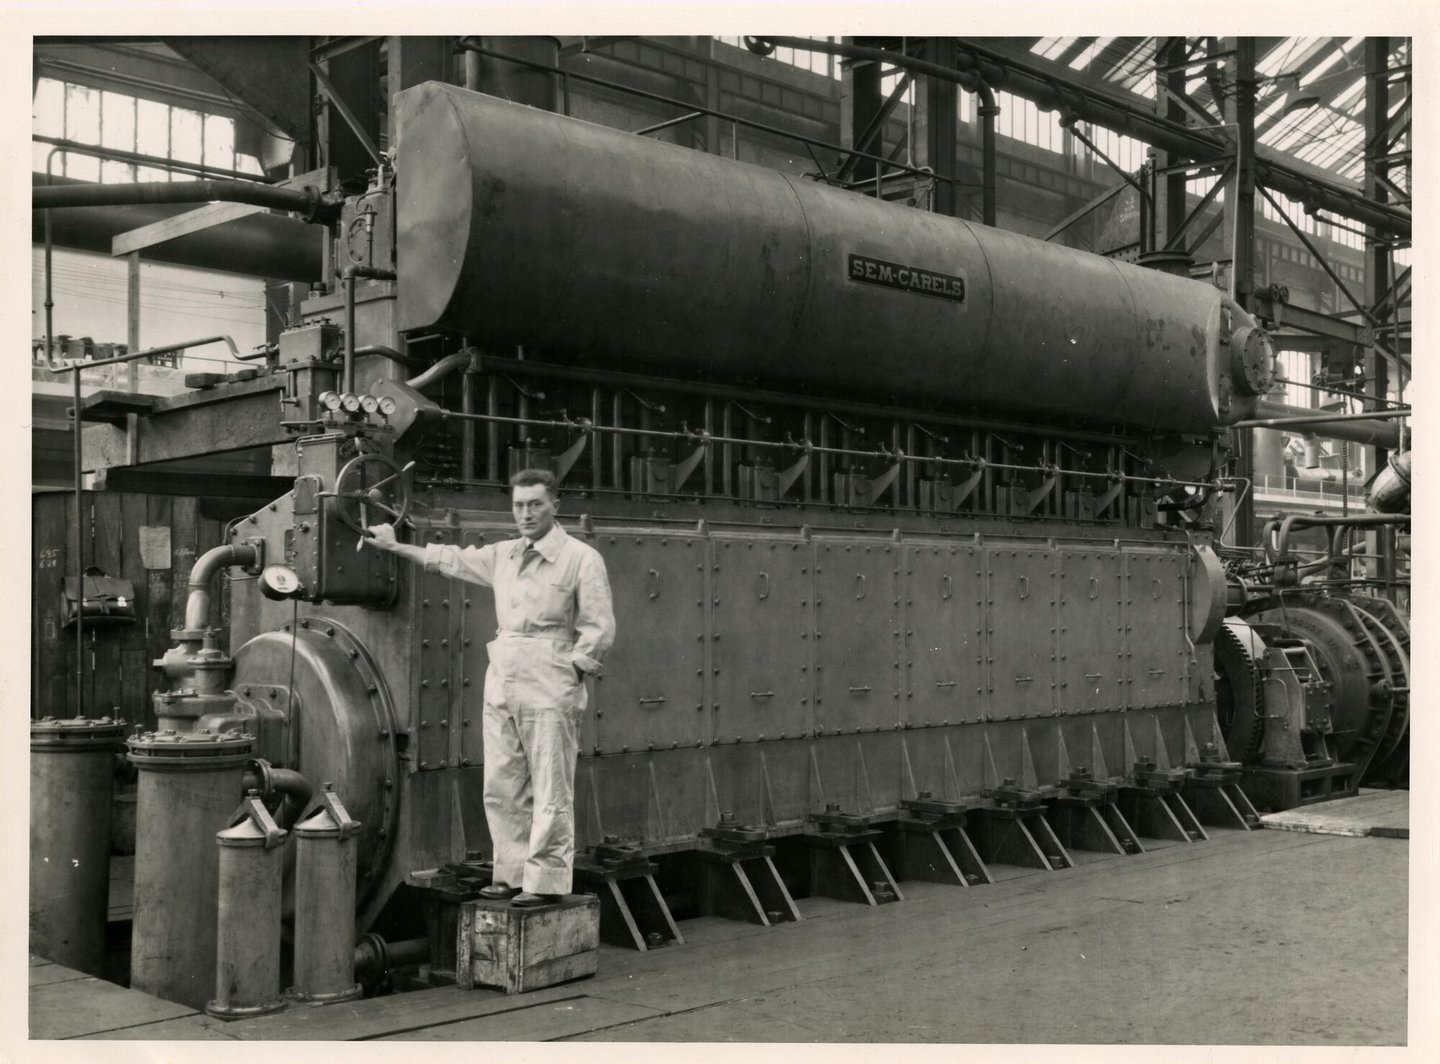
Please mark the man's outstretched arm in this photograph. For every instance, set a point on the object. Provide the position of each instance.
(382, 538)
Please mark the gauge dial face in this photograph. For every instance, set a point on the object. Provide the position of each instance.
(350, 403)
(388, 405)
(369, 404)
(330, 400)
(279, 581)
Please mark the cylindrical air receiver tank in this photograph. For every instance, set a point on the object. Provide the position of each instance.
(325, 902)
(188, 786)
(247, 946)
(516, 226)
(72, 765)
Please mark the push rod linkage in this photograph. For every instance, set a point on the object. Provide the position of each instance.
(702, 438)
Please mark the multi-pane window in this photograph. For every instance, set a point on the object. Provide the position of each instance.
(1294, 210)
(1020, 119)
(123, 123)
(815, 62)
(1125, 152)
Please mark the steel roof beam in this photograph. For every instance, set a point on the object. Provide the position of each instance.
(1054, 89)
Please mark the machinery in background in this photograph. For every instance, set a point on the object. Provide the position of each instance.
(910, 525)
(1313, 663)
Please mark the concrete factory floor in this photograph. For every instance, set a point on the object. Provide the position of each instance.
(1270, 937)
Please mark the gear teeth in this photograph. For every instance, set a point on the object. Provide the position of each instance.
(1238, 652)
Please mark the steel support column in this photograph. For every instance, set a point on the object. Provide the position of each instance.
(860, 102)
(132, 315)
(1170, 192)
(940, 114)
(1380, 564)
(1240, 110)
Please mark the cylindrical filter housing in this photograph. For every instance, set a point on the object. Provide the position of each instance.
(71, 786)
(187, 790)
(247, 937)
(325, 903)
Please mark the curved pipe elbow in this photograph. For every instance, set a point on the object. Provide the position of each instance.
(293, 788)
(197, 606)
(446, 366)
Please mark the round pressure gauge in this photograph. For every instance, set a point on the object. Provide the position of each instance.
(350, 403)
(369, 404)
(330, 400)
(388, 405)
(279, 582)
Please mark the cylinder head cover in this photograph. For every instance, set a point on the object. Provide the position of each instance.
(517, 226)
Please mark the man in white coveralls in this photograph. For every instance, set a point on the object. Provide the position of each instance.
(552, 602)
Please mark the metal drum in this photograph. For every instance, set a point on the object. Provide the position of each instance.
(188, 787)
(71, 785)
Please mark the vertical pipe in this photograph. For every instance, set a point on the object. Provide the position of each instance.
(597, 440)
(910, 498)
(1387, 549)
(808, 476)
(79, 548)
(897, 484)
(467, 427)
(617, 454)
(987, 482)
(825, 486)
(988, 110)
(347, 379)
(75, 428)
(492, 429)
(710, 451)
(727, 451)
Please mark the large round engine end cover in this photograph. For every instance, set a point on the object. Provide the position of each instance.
(341, 725)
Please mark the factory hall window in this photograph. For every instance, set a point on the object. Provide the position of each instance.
(1020, 119)
(124, 125)
(815, 62)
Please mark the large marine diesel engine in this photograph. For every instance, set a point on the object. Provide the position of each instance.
(910, 524)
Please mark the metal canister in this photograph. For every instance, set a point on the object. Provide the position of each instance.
(188, 785)
(71, 786)
(325, 859)
(247, 937)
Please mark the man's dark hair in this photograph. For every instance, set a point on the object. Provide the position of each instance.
(526, 477)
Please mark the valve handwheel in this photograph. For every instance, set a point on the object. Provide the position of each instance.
(372, 488)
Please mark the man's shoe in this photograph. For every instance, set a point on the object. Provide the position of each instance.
(499, 891)
(534, 901)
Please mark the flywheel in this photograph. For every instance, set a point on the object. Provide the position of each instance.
(1240, 689)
